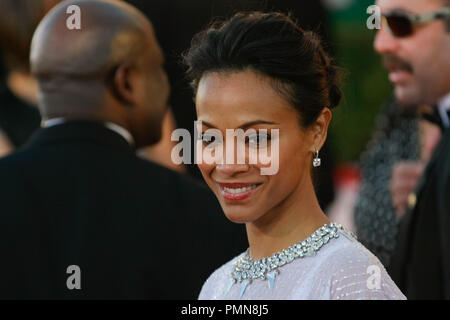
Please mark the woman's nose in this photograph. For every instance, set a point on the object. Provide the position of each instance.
(231, 169)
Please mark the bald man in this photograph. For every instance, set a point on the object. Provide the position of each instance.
(81, 217)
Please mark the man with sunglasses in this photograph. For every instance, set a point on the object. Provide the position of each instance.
(414, 43)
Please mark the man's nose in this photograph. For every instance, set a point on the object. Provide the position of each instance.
(385, 42)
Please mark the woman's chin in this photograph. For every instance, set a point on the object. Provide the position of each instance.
(235, 219)
(238, 216)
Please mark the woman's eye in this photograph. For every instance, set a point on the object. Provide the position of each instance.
(258, 138)
(207, 138)
(253, 139)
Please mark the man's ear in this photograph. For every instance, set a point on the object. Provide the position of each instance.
(320, 129)
(122, 84)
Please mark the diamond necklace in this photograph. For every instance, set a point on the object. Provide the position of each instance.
(246, 269)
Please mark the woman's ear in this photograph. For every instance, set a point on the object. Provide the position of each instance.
(320, 129)
(123, 84)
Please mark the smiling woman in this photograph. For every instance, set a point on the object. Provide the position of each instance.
(261, 71)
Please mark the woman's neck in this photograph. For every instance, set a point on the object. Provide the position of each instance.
(293, 220)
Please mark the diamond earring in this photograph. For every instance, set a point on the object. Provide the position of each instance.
(316, 160)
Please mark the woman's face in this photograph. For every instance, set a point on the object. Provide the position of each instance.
(246, 100)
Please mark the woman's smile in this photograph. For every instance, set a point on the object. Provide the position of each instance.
(234, 192)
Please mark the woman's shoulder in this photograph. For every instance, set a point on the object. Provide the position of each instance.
(218, 280)
(347, 249)
(356, 273)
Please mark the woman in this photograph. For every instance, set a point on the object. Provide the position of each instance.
(261, 71)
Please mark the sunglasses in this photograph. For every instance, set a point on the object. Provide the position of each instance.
(401, 24)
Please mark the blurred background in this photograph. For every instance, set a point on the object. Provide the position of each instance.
(366, 87)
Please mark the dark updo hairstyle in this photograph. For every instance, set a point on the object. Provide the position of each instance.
(271, 44)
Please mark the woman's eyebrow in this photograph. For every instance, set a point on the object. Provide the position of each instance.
(255, 122)
(207, 124)
(244, 125)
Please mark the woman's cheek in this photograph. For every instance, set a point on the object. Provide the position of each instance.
(206, 170)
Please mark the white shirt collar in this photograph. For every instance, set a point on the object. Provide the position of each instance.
(112, 126)
(444, 110)
(122, 131)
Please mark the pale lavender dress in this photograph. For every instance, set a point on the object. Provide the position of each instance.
(341, 269)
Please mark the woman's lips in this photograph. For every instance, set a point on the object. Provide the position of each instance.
(238, 191)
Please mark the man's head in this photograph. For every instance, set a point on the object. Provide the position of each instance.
(109, 70)
(418, 64)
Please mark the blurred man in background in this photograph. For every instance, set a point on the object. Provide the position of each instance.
(81, 216)
(414, 43)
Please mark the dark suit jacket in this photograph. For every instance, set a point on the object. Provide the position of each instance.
(18, 119)
(78, 195)
(421, 264)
